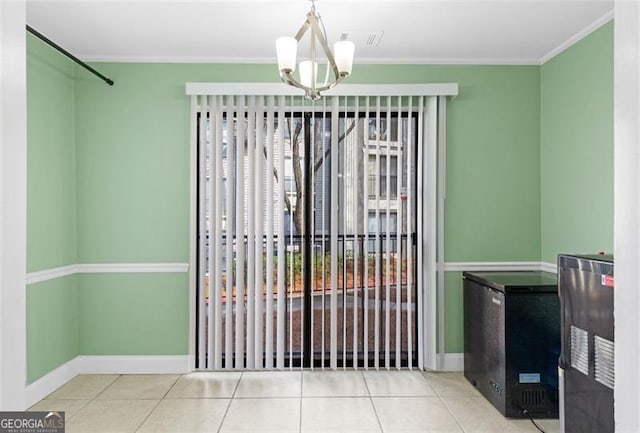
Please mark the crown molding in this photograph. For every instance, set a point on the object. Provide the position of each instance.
(272, 61)
(577, 37)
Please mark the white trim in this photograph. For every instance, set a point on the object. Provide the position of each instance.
(81, 364)
(428, 237)
(134, 364)
(496, 61)
(492, 266)
(278, 89)
(51, 274)
(105, 268)
(441, 146)
(125, 268)
(13, 204)
(626, 222)
(549, 267)
(51, 381)
(604, 19)
(111, 268)
(452, 362)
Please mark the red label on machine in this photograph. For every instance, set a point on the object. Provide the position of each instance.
(607, 280)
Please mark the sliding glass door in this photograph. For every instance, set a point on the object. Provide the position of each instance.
(307, 221)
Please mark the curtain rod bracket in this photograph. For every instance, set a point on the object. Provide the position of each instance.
(48, 41)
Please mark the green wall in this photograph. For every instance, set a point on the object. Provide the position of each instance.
(133, 172)
(51, 182)
(576, 168)
(577, 148)
(512, 133)
(52, 325)
(493, 180)
(133, 314)
(133, 163)
(492, 206)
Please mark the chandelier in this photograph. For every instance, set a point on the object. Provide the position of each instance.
(339, 62)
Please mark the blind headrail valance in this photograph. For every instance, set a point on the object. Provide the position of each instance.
(278, 89)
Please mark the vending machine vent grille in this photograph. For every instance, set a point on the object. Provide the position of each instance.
(604, 367)
(580, 350)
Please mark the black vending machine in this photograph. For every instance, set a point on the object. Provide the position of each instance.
(512, 340)
(586, 365)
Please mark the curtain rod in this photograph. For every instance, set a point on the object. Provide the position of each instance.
(68, 54)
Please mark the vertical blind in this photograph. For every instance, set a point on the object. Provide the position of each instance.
(315, 237)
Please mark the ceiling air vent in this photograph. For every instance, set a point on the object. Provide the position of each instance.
(363, 39)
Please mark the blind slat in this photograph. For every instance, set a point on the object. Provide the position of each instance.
(421, 222)
(251, 228)
(324, 238)
(280, 347)
(409, 175)
(238, 277)
(202, 139)
(259, 229)
(269, 235)
(387, 249)
(355, 159)
(399, 224)
(215, 239)
(291, 279)
(378, 227)
(334, 235)
(229, 257)
(365, 223)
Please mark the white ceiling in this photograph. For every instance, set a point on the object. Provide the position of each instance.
(427, 31)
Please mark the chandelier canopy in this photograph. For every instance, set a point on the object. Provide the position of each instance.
(339, 62)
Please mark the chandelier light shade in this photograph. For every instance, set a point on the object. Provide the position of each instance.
(343, 51)
(307, 74)
(286, 49)
(339, 62)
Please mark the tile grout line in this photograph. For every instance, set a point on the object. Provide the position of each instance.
(79, 410)
(171, 387)
(426, 378)
(301, 388)
(147, 417)
(455, 418)
(375, 411)
(440, 394)
(107, 387)
(233, 396)
(88, 401)
(157, 404)
(440, 397)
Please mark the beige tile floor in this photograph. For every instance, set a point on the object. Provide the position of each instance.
(309, 401)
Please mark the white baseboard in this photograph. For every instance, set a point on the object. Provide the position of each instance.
(167, 364)
(452, 362)
(82, 364)
(51, 381)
